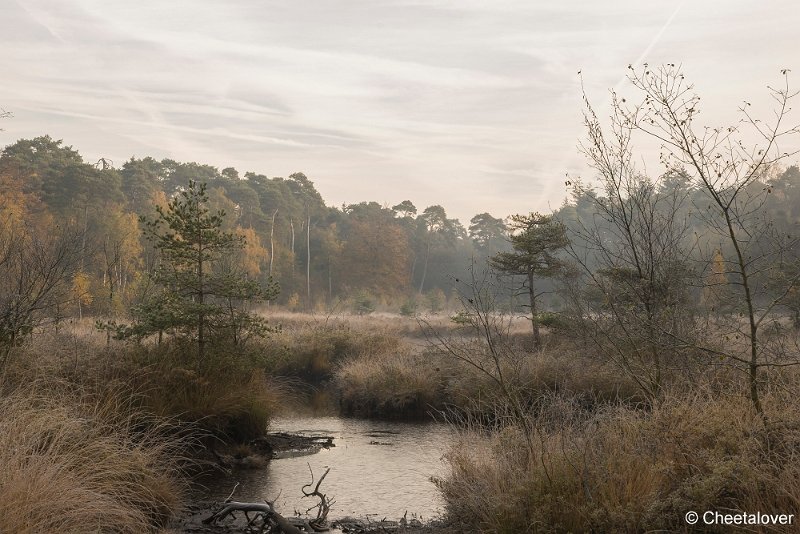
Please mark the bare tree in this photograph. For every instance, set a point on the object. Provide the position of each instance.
(486, 346)
(632, 256)
(36, 268)
(727, 166)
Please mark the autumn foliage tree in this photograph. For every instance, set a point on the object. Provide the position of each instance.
(375, 257)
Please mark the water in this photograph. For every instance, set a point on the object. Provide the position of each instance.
(381, 469)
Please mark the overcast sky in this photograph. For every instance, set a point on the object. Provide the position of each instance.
(471, 104)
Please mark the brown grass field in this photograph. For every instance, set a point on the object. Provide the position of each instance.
(95, 437)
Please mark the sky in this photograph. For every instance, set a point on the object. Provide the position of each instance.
(474, 105)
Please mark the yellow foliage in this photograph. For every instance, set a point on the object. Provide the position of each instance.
(253, 256)
(716, 281)
(294, 302)
(159, 199)
(80, 288)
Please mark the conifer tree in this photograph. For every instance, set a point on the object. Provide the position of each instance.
(536, 239)
(202, 291)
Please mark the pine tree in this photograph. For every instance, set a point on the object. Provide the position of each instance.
(535, 239)
(202, 290)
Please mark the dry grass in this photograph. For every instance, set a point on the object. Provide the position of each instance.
(75, 463)
(419, 327)
(408, 381)
(391, 384)
(312, 351)
(620, 469)
(97, 442)
(228, 395)
(235, 407)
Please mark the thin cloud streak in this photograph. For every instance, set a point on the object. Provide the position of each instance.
(473, 105)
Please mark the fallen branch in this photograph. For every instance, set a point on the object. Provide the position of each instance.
(324, 505)
(246, 507)
(265, 512)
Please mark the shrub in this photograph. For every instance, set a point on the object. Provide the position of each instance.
(462, 318)
(551, 320)
(363, 303)
(409, 308)
(436, 300)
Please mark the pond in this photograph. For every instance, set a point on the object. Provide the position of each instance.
(379, 469)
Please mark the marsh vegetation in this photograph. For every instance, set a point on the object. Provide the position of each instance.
(607, 367)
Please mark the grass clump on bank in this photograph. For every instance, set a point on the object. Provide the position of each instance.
(403, 382)
(235, 407)
(227, 395)
(390, 385)
(312, 351)
(623, 469)
(99, 442)
(78, 463)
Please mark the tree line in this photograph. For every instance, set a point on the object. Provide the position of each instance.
(320, 255)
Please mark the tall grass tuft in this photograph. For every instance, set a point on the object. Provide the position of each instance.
(227, 394)
(313, 352)
(235, 407)
(77, 462)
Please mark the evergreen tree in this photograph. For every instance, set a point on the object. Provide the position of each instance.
(535, 239)
(202, 291)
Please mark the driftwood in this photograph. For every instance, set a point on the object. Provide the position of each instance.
(266, 520)
(264, 512)
(324, 505)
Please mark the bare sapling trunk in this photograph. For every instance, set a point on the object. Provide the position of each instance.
(537, 340)
(425, 265)
(308, 262)
(201, 319)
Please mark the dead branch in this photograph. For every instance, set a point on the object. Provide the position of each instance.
(261, 510)
(324, 505)
(267, 520)
(264, 512)
(230, 495)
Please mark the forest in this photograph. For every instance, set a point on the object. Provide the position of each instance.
(612, 366)
(320, 255)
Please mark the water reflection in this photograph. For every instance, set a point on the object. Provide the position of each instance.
(381, 468)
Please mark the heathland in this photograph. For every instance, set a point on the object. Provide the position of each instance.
(612, 366)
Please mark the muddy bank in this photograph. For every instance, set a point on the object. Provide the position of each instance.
(192, 522)
(256, 453)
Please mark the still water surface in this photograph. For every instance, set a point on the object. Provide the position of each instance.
(380, 468)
